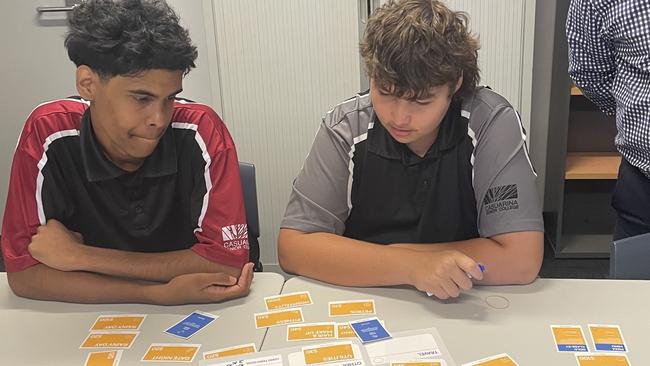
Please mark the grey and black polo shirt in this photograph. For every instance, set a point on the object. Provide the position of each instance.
(475, 181)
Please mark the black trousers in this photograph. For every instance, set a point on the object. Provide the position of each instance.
(631, 200)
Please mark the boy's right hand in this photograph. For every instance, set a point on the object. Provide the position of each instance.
(443, 273)
(198, 288)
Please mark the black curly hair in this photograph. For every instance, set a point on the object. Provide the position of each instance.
(126, 37)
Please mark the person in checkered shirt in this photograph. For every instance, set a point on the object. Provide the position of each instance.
(609, 59)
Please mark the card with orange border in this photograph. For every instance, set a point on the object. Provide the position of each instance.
(103, 358)
(171, 352)
(280, 317)
(242, 349)
(118, 322)
(352, 307)
(109, 339)
(287, 301)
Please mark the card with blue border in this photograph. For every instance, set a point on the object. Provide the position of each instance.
(191, 324)
(369, 330)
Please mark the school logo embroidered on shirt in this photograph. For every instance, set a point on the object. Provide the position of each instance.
(501, 198)
(235, 236)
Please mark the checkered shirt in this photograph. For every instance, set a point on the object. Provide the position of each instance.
(609, 59)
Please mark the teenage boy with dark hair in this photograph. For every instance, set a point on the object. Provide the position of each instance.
(126, 195)
(426, 164)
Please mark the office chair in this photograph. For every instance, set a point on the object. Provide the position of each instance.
(249, 188)
(629, 258)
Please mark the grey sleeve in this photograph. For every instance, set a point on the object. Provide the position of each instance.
(504, 179)
(319, 195)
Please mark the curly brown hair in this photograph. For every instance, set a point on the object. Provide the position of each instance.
(411, 46)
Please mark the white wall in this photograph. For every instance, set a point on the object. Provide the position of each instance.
(282, 65)
(505, 29)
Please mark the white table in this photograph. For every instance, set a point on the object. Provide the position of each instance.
(472, 329)
(50, 333)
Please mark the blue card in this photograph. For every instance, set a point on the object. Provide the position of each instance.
(369, 330)
(191, 324)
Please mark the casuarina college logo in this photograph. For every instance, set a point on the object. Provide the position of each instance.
(235, 236)
(501, 198)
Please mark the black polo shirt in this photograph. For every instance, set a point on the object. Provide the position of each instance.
(475, 180)
(186, 195)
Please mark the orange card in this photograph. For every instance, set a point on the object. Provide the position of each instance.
(355, 307)
(602, 359)
(327, 353)
(498, 360)
(171, 352)
(106, 339)
(118, 322)
(607, 338)
(303, 332)
(569, 338)
(230, 351)
(282, 317)
(286, 301)
(108, 358)
(344, 330)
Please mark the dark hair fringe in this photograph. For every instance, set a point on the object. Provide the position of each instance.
(126, 37)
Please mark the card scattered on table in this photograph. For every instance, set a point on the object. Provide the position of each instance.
(230, 351)
(191, 324)
(287, 301)
(104, 358)
(118, 322)
(171, 352)
(354, 307)
(607, 338)
(569, 338)
(602, 359)
(419, 363)
(344, 330)
(282, 317)
(112, 339)
(312, 331)
(369, 330)
(498, 360)
(325, 353)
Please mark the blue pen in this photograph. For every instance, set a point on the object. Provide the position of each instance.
(481, 267)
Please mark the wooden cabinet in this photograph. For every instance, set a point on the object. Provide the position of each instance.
(586, 219)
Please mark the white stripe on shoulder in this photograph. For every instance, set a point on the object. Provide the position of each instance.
(523, 136)
(356, 141)
(206, 172)
(358, 95)
(465, 113)
(472, 136)
(82, 101)
(41, 164)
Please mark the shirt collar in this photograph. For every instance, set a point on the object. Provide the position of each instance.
(452, 130)
(98, 168)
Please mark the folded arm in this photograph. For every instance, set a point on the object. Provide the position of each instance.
(57, 247)
(41, 282)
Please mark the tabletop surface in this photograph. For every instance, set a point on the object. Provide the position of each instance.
(50, 333)
(490, 320)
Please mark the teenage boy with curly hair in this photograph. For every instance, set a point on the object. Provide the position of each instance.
(423, 179)
(128, 194)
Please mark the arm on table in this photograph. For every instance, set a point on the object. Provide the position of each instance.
(59, 248)
(41, 282)
(512, 258)
(348, 262)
